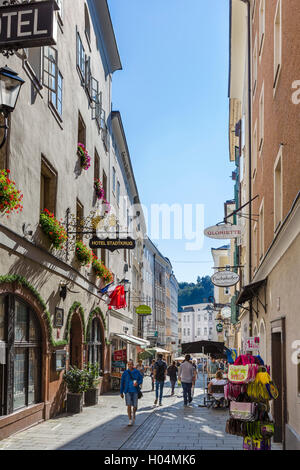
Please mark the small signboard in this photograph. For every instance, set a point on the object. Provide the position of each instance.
(120, 364)
(28, 25)
(225, 279)
(112, 244)
(143, 310)
(224, 231)
(58, 318)
(251, 343)
(120, 355)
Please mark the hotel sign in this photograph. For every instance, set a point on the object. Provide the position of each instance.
(224, 231)
(28, 25)
(112, 244)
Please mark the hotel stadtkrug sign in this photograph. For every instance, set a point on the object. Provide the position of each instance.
(112, 244)
(28, 25)
(224, 231)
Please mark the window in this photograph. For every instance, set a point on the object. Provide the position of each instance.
(199, 317)
(50, 68)
(80, 58)
(261, 231)
(210, 316)
(255, 247)
(261, 119)
(95, 344)
(184, 332)
(97, 166)
(34, 60)
(205, 331)
(188, 331)
(118, 192)
(48, 186)
(22, 332)
(79, 217)
(254, 67)
(262, 21)
(81, 130)
(198, 332)
(278, 191)
(277, 43)
(254, 151)
(114, 180)
(56, 97)
(87, 24)
(104, 182)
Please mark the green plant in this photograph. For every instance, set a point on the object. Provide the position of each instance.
(83, 253)
(75, 379)
(102, 271)
(92, 375)
(10, 196)
(85, 159)
(53, 229)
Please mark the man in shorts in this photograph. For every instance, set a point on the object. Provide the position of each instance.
(130, 382)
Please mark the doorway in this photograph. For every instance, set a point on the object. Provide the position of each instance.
(76, 334)
(279, 377)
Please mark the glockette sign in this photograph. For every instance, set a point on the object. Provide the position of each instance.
(224, 231)
(28, 25)
(112, 244)
(225, 279)
(143, 310)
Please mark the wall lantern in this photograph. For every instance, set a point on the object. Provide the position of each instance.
(10, 86)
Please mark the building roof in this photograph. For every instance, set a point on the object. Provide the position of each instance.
(111, 48)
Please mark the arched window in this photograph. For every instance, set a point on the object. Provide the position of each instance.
(95, 345)
(20, 376)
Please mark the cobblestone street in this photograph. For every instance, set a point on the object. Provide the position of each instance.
(105, 427)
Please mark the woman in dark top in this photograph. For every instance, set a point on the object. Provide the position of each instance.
(172, 373)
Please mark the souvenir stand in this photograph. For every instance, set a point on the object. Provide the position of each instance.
(250, 390)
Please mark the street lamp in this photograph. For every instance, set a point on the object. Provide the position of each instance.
(10, 86)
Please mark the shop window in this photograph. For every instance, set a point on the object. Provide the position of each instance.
(20, 378)
(48, 186)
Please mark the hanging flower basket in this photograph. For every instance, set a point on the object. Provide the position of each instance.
(85, 159)
(53, 229)
(83, 253)
(99, 189)
(10, 196)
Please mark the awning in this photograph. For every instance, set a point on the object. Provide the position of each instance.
(215, 348)
(159, 350)
(132, 339)
(250, 291)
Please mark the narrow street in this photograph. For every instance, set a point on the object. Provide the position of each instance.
(104, 427)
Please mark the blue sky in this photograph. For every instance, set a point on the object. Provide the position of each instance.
(172, 95)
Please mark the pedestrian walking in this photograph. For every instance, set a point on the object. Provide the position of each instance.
(172, 373)
(130, 382)
(152, 373)
(160, 372)
(141, 368)
(185, 376)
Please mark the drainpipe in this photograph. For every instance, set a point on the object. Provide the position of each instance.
(250, 156)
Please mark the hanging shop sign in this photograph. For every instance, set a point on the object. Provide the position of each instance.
(143, 310)
(58, 321)
(219, 327)
(226, 312)
(225, 278)
(224, 231)
(112, 244)
(28, 25)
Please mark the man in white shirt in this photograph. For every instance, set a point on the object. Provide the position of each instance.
(186, 375)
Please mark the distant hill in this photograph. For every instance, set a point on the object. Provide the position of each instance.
(190, 293)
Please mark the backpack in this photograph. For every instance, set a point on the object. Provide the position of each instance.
(160, 371)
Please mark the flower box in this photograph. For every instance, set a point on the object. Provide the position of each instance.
(99, 189)
(85, 159)
(83, 253)
(10, 196)
(53, 229)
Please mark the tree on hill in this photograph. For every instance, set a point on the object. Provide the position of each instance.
(190, 293)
